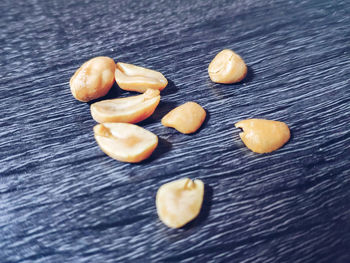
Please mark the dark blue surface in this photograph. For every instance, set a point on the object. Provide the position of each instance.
(63, 200)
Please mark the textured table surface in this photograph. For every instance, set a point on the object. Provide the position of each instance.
(63, 200)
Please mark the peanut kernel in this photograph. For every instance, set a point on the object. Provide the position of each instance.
(93, 79)
(130, 109)
(227, 67)
(125, 142)
(135, 78)
(186, 118)
(263, 136)
(178, 202)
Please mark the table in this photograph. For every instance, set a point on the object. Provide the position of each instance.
(63, 200)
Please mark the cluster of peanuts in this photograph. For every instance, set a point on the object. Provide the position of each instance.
(178, 202)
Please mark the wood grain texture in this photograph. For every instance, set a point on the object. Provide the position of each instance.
(63, 200)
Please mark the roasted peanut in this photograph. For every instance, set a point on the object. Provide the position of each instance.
(186, 118)
(178, 202)
(135, 78)
(93, 79)
(227, 67)
(130, 109)
(125, 142)
(263, 136)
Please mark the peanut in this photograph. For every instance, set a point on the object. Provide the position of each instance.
(135, 78)
(93, 79)
(178, 202)
(227, 67)
(263, 136)
(125, 142)
(186, 118)
(130, 109)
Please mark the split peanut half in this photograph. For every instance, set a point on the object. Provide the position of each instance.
(227, 67)
(135, 78)
(93, 79)
(178, 202)
(186, 118)
(131, 109)
(263, 136)
(125, 142)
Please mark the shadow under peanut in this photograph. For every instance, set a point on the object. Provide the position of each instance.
(249, 77)
(163, 147)
(163, 108)
(113, 93)
(169, 89)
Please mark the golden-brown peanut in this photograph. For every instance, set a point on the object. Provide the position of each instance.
(135, 78)
(130, 109)
(93, 79)
(125, 142)
(178, 202)
(263, 136)
(186, 118)
(227, 67)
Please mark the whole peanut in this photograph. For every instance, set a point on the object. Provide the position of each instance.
(93, 79)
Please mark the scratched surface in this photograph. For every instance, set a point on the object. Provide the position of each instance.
(63, 200)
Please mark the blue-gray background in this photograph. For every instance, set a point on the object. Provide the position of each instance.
(63, 200)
